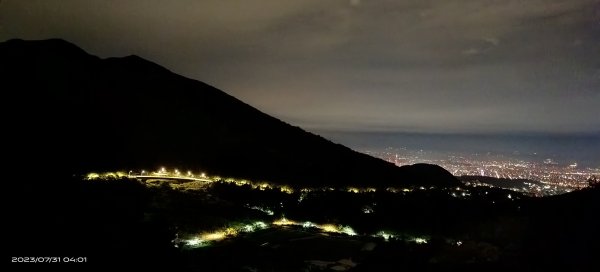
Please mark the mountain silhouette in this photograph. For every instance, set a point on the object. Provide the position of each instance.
(69, 111)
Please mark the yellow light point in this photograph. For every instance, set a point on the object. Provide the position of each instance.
(329, 228)
(406, 190)
(143, 172)
(231, 232)
(353, 190)
(213, 236)
(162, 170)
(189, 173)
(286, 189)
(284, 222)
(92, 176)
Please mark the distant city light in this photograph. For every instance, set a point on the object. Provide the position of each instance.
(552, 177)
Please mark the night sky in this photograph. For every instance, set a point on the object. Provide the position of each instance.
(501, 66)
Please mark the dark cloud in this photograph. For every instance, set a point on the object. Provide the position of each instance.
(418, 65)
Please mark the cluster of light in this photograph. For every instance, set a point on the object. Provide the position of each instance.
(106, 175)
(329, 228)
(260, 186)
(206, 238)
(302, 196)
(398, 190)
(324, 227)
(286, 189)
(253, 227)
(385, 235)
(309, 224)
(162, 172)
(564, 176)
(389, 235)
(215, 236)
(92, 176)
(347, 230)
(419, 240)
(360, 190)
(265, 210)
(353, 190)
(194, 242)
(284, 222)
(334, 228)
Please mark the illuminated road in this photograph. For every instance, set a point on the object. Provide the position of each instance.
(146, 177)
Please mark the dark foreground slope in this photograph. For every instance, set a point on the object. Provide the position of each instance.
(68, 110)
(123, 223)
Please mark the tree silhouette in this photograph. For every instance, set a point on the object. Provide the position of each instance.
(593, 182)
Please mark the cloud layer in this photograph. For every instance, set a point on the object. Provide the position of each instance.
(414, 65)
